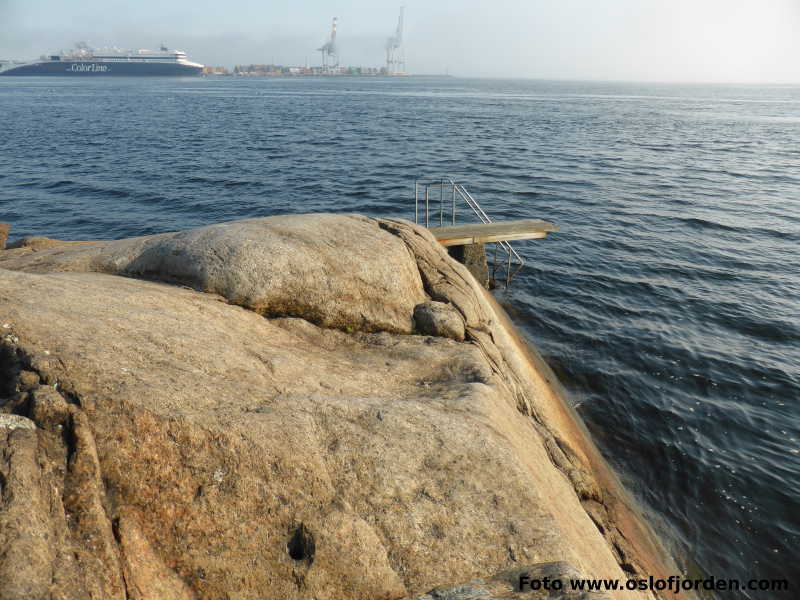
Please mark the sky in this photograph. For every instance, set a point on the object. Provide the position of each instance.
(725, 41)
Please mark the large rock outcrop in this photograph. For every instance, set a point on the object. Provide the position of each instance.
(335, 271)
(163, 439)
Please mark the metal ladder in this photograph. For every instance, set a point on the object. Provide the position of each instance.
(450, 193)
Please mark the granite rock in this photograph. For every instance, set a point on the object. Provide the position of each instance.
(181, 445)
(339, 271)
(439, 319)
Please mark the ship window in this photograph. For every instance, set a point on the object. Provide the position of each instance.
(55, 58)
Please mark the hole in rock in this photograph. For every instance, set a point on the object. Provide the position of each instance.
(9, 371)
(301, 544)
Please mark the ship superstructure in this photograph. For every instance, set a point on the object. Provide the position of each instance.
(85, 61)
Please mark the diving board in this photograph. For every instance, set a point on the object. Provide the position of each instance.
(485, 233)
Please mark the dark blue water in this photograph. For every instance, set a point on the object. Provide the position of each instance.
(669, 303)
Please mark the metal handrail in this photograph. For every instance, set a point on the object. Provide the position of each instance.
(514, 263)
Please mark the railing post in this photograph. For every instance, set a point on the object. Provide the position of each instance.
(494, 263)
(441, 203)
(427, 190)
(508, 269)
(454, 204)
(416, 202)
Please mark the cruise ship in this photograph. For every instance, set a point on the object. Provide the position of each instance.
(86, 62)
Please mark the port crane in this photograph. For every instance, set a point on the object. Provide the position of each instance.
(330, 51)
(395, 49)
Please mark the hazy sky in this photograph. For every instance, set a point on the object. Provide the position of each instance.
(647, 40)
